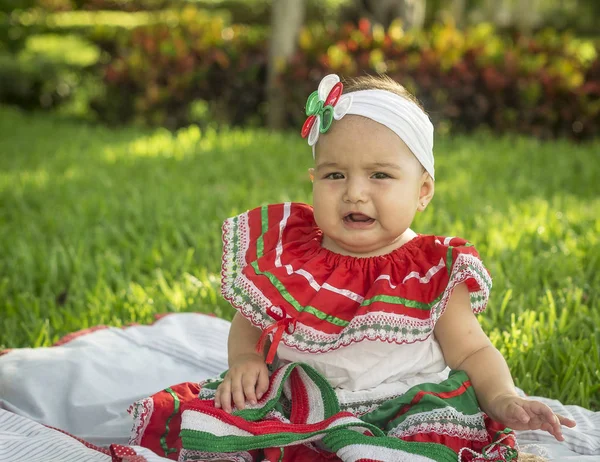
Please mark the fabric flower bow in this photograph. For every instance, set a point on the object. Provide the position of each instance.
(324, 105)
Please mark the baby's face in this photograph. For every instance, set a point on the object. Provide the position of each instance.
(366, 188)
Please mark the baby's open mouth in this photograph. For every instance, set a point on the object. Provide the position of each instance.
(358, 218)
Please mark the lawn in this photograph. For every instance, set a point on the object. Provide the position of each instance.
(101, 226)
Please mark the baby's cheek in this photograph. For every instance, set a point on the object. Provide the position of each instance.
(325, 193)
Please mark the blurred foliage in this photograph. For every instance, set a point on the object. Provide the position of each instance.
(578, 15)
(46, 72)
(546, 85)
(200, 62)
(100, 27)
(239, 11)
(160, 73)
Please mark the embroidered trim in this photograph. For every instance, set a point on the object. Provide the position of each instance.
(390, 327)
(444, 421)
(204, 427)
(194, 456)
(360, 408)
(140, 411)
(465, 267)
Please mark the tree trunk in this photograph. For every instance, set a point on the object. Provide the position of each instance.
(287, 16)
(384, 12)
(499, 12)
(413, 13)
(457, 10)
(526, 17)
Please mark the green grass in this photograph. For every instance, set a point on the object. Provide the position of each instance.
(104, 226)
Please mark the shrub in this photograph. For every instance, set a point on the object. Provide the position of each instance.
(167, 67)
(546, 85)
(159, 70)
(240, 11)
(46, 72)
(31, 82)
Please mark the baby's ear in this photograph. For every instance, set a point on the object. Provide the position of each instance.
(426, 192)
(311, 174)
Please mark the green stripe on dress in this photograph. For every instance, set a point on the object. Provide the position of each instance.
(311, 309)
(199, 441)
(163, 438)
(292, 301)
(393, 300)
(264, 220)
(449, 260)
(331, 404)
(336, 437)
(386, 416)
(390, 299)
(339, 439)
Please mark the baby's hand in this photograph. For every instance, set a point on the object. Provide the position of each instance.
(522, 414)
(246, 380)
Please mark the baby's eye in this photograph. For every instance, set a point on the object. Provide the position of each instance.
(380, 176)
(334, 176)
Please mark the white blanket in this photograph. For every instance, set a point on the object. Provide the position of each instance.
(85, 386)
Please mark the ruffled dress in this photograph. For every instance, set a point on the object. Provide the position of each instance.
(357, 373)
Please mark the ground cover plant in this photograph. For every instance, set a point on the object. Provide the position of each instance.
(111, 226)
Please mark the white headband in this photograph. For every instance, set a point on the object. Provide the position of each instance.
(402, 116)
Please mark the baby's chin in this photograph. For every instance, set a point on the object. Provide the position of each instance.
(362, 249)
(356, 249)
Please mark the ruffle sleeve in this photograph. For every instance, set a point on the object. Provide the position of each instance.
(445, 263)
(276, 274)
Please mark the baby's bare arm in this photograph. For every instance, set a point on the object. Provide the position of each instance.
(466, 347)
(243, 337)
(248, 376)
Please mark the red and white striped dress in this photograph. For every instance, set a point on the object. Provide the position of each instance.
(351, 335)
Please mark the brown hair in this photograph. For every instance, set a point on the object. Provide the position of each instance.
(379, 82)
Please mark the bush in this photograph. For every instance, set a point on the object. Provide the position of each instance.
(239, 11)
(160, 70)
(122, 5)
(546, 85)
(30, 83)
(167, 67)
(100, 27)
(46, 72)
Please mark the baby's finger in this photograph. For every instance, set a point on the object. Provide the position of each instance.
(263, 383)
(518, 413)
(218, 397)
(237, 392)
(225, 395)
(548, 417)
(249, 384)
(548, 427)
(566, 421)
(555, 430)
(535, 421)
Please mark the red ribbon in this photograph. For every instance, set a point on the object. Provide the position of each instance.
(283, 323)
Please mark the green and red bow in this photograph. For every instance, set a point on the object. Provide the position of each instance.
(323, 106)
